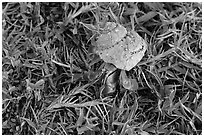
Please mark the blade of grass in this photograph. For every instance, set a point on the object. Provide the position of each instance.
(147, 17)
(158, 56)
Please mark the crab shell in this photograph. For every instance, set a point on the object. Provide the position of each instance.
(117, 46)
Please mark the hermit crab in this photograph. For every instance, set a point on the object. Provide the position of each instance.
(121, 48)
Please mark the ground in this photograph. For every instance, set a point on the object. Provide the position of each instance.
(54, 84)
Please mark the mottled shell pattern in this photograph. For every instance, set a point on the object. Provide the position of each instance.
(120, 47)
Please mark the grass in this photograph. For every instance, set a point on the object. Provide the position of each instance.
(53, 83)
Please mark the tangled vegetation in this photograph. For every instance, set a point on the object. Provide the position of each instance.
(54, 84)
